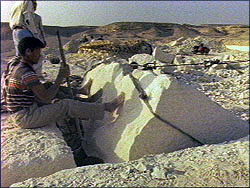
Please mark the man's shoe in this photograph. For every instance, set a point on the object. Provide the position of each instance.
(96, 96)
(79, 153)
(93, 98)
(84, 161)
(81, 158)
(91, 161)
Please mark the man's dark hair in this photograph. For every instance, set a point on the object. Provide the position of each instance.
(29, 43)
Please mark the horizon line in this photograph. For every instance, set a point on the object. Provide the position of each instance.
(141, 22)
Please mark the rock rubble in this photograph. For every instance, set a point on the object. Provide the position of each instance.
(206, 166)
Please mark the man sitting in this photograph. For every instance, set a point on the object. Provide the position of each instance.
(30, 103)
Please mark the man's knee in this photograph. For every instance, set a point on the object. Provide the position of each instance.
(66, 103)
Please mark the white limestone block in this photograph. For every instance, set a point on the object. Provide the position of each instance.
(141, 59)
(137, 132)
(31, 153)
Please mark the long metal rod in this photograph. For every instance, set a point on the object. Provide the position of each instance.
(77, 121)
(64, 62)
(203, 63)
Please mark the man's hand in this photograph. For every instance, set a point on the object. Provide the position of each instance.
(64, 72)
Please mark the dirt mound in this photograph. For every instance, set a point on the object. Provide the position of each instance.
(66, 33)
(146, 30)
(107, 48)
(6, 33)
(236, 34)
(155, 32)
(212, 31)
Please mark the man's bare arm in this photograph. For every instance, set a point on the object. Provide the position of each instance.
(46, 95)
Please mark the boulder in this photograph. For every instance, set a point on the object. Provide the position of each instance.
(217, 67)
(226, 57)
(30, 153)
(162, 56)
(168, 70)
(138, 132)
(141, 59)
(179, 60)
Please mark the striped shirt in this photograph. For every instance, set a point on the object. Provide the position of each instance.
(19, 94)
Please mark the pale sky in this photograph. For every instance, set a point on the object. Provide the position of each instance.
(97, 13)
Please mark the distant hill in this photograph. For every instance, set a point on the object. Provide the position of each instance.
(6, 33)
(67, 33)
(158, 33)
(167, 31)
(146, 30)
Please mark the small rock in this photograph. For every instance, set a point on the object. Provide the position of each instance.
(124, 175)
(244, 95)
(168, 70)
(219, 66)
(141, 167)
(150, 168)
(141, 59)
(158, 173)
(226, 57)
(179, 60)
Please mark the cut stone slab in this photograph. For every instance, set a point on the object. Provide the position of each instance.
(162, 56)
(206, 166)
(31, 153)
(137, 132)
